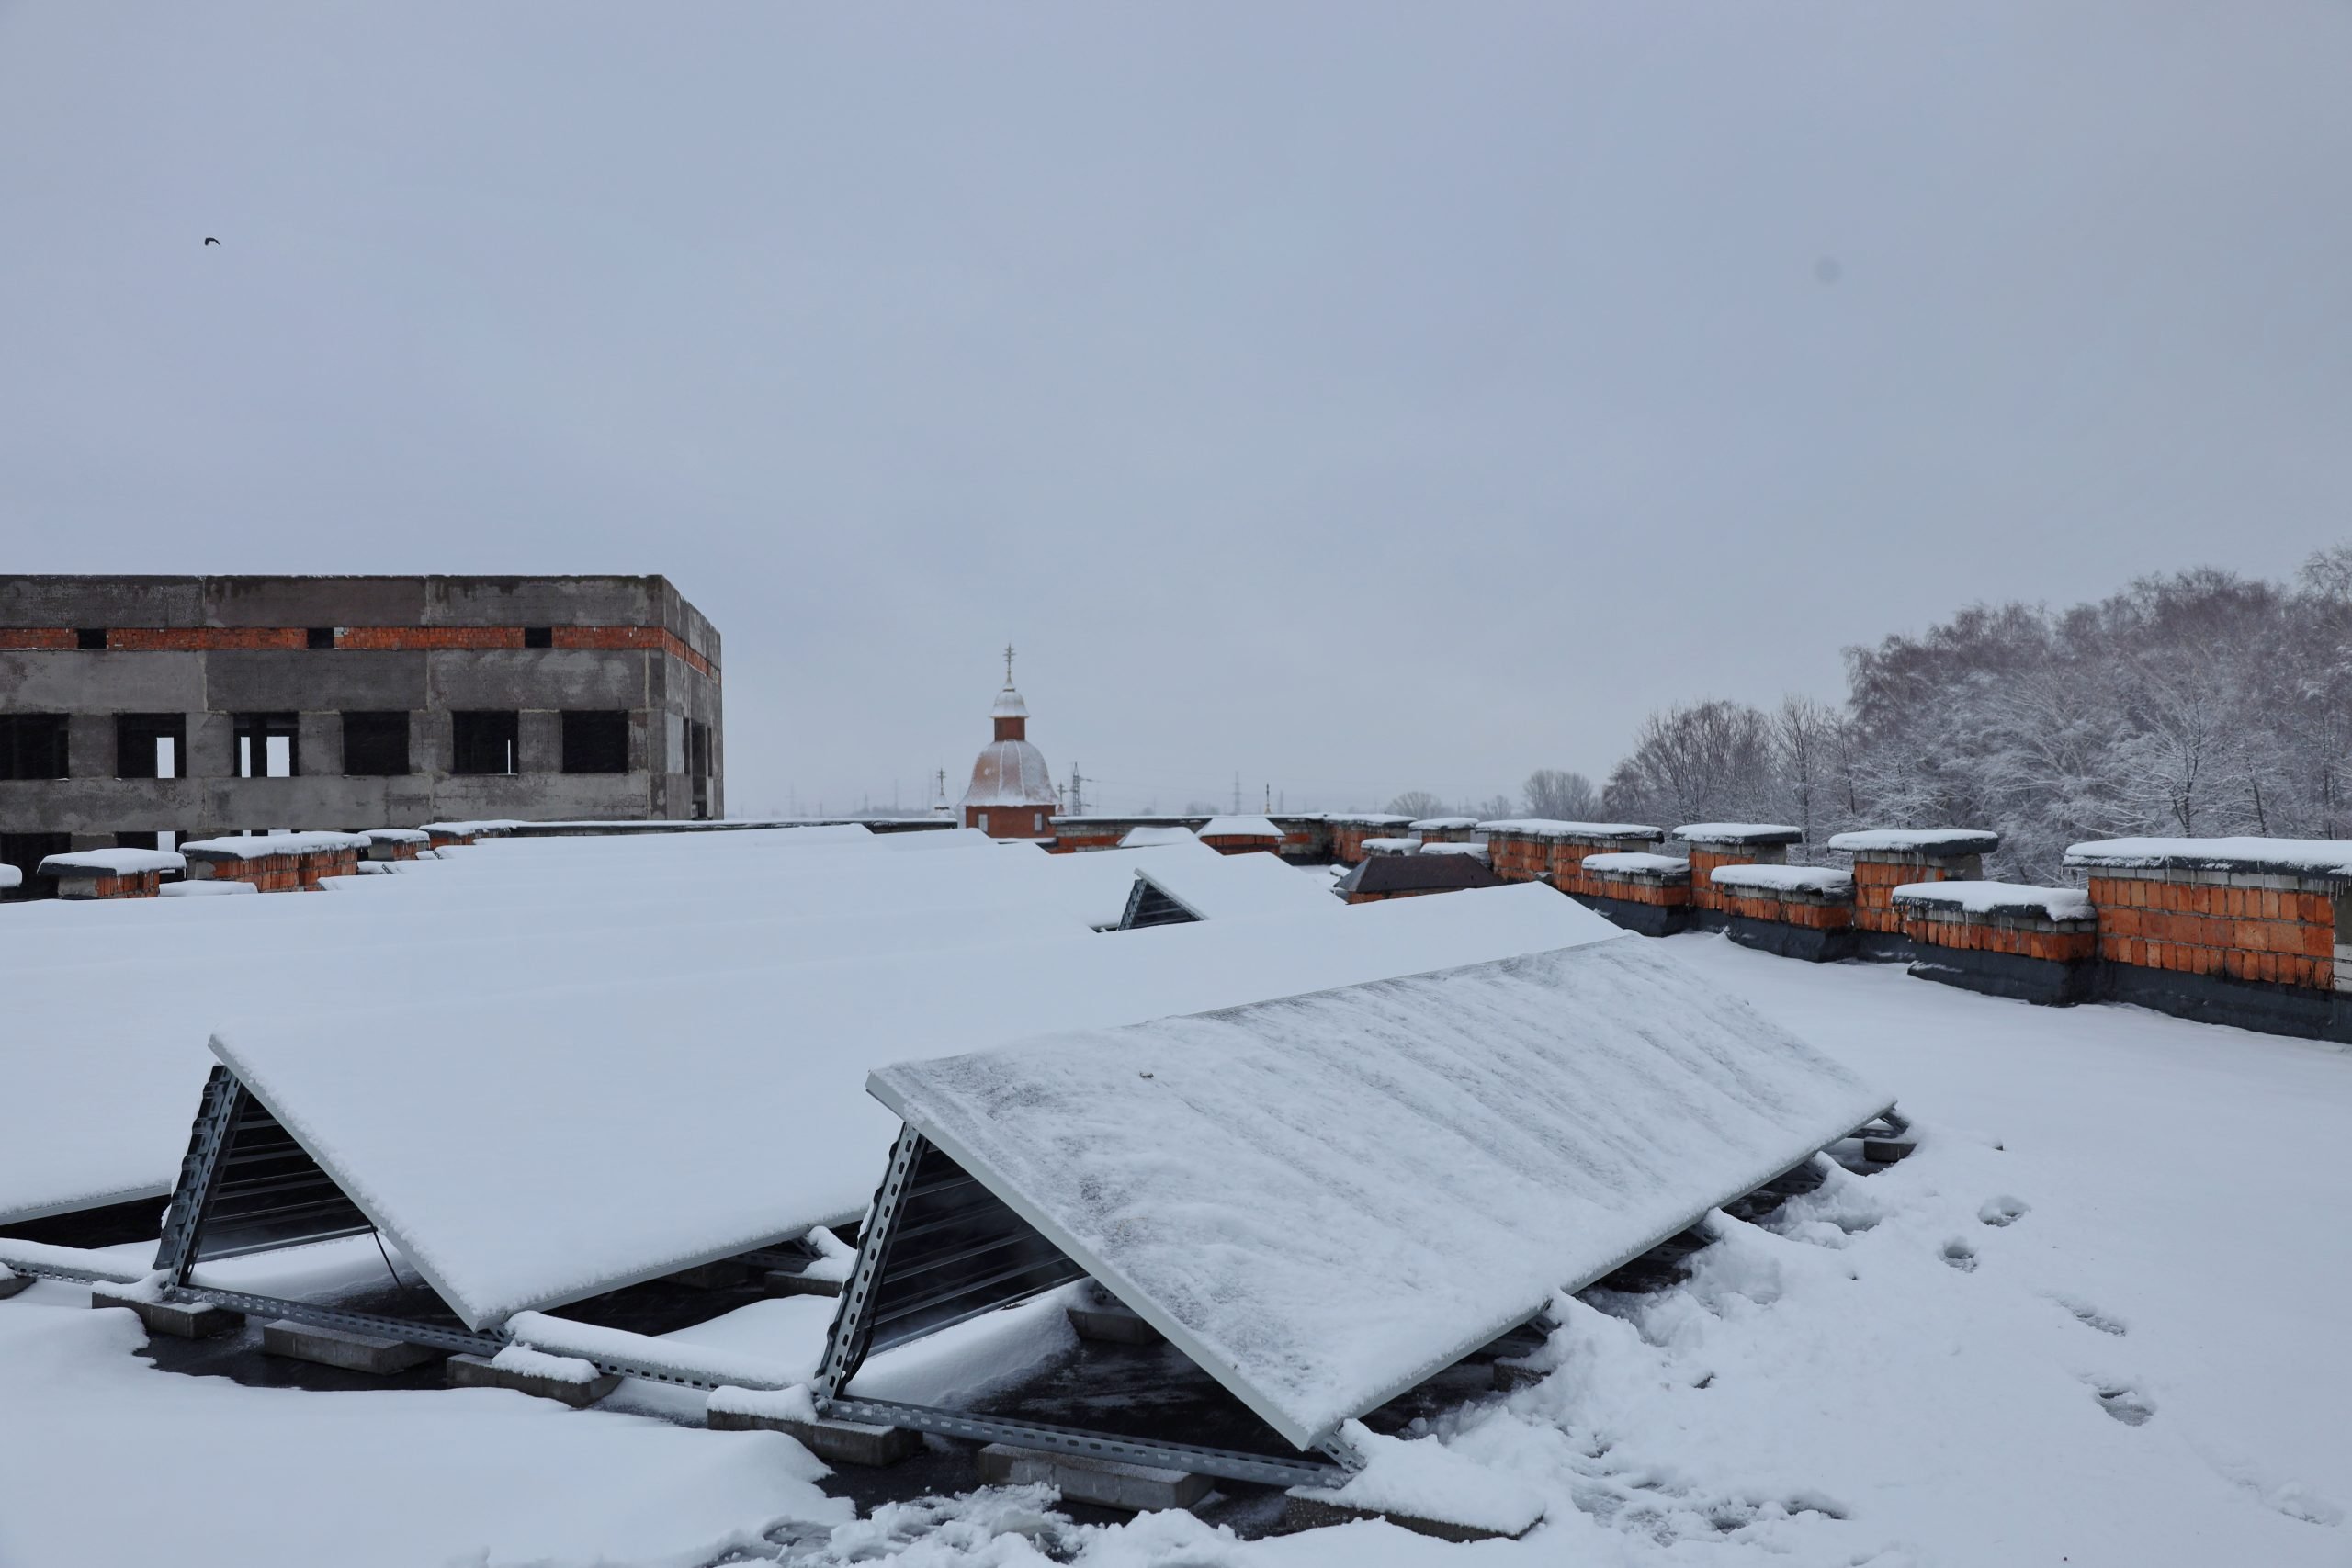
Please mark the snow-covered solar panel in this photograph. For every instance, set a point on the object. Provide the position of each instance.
(586, 1129)
(1214, 887)
(1325, 1200)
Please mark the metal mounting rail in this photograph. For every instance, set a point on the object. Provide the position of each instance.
(1226, 1464)
(439, 1336)
(74, 1274)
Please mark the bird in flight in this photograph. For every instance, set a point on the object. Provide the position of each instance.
(211, 241)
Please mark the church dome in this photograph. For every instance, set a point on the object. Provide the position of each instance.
(1012, 792)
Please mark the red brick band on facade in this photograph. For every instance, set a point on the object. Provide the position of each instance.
(2248, 933)
(370, 639)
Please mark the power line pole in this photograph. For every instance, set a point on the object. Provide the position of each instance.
(1077, 792)
(1237, 793)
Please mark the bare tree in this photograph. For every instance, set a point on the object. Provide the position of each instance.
(1494, 809)
(1561, 795)
(1418, 803)
(1696, 763)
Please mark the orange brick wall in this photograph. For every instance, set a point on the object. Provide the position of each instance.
(2287, 937)
(1240, 843)
(125, 885)
(1704, 859)
(1666, 895)
(1752, 904)
(2030, 940)
(1878, 873)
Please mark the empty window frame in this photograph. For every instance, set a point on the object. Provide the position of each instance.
(32, 745)
(595, 741)
(26, 852)
(375, 745)
(149, 745)
(482, 743)
(317, 637)
(90, 639)
(263, 746)
(538, 637)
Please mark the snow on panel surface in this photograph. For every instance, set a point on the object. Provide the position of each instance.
(118, 863)
(1327, 1198)
(10, 876)
(590, 1125)
(1393, 846)
(1785, 878)
(1241, 828)
(1139, 837)
(1943, 840)
(2000, 899)
(1216, 887)
(1739, 833)
(2317, 857)
(1633, 861)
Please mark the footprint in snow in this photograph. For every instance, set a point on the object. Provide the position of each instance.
(2003, 1210)
(2091, 1317)
(2125, 1403)
(1960, 1255)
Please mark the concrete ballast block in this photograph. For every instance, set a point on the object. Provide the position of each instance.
(182, 1320)
(835, 1442)
(1107, 1483)
(347, 1349)
(479, 1372)
(1113, 1322)
(14, 1284)
(785, 1283)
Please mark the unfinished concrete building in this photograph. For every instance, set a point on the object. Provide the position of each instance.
(143, 710)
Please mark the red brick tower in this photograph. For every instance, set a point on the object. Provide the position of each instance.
(1011, 793)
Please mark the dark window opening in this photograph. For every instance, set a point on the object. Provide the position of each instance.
(698, 766)
(26, 852)
(320, 637)
(89, 638)
(32, 745)
(482, 743)
(595, 742)
(375, 745)
(538, 637)
(150, 745)
(266, 746)
(137, 841)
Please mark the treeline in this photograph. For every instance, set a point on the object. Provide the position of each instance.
(2196, 705)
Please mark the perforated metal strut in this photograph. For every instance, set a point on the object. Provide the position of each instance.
(852, 1322)
(1265, 1469)
(199, 1172)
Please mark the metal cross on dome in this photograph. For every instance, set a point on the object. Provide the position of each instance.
(1008, 667)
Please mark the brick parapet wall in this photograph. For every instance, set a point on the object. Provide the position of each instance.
(277, 874)
(1705, 858)
(2278, 929)
(1788, 907)
(1242, 843)
(1556, 858)
(2026, 935)
(1633, 888)
(111, 885)
(1878, 873)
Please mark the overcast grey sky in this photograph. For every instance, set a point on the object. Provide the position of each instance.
(1361, 398)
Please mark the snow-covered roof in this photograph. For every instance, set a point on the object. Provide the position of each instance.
(1476, 851)
(1551, 828)
(1739, 833)
(1445, 824)
(218, 887)
(1323, 1200)
(521, 1144)
(116, 862)
(1241, 828)
(1392, 846)
(1215, 887)
(114, 1110)
(1786, 878)
(2305, 857)
(1008, 705)
(470, 830)
(1095, 886)
(1139, 837)
(1920, 840)
(397, 836)
(2000, 899)
(1634, 862)
(1010, 773)
(1367, 819)
(256, 846)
